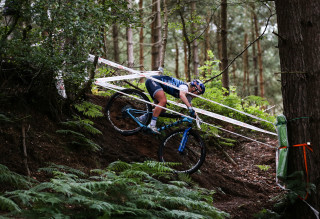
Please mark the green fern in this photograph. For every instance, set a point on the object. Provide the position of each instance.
(54, 168)
(120, 191)
(80, 139)
(8, 204)
(89, 109)
(4, 118)
(8, 177)
(85, 124)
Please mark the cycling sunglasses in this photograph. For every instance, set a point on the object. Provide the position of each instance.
(197, 89)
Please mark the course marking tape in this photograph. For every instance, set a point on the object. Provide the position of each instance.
(113, 64)
(118, 89)
(204, 112)
(223, 118)
(124, 77)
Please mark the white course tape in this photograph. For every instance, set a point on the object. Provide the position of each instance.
(118, 89)
(113, 64)
(204, 112)
(224, 118)
(124, 77)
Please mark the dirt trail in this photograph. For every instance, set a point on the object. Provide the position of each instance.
(241, 190)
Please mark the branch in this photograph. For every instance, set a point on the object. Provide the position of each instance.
(24, 147)
(242, 51)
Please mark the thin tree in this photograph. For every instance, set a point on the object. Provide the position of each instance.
(224, 32)
(254, 54)
(187, 42)
(261, 81)
(165, 34)
(206, 43)
(195, 42)
(115, 37)
(245, 87)
(156, 35)
(176, 71)
(186, 62)
(130, 41)
(141, 38)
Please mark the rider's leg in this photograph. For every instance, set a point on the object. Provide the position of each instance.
(162, 101)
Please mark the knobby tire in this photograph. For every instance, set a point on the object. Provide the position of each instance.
(188, 161)
(116, 111)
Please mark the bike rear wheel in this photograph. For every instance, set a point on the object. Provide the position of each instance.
(191, 159)
(121, 106)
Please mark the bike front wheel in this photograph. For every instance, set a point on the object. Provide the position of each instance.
(124, 105)
(187, 161)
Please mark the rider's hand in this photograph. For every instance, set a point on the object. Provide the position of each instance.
(192, 113)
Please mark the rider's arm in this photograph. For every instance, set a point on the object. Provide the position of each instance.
(184, 98)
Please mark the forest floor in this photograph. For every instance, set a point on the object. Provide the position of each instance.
(242, 190)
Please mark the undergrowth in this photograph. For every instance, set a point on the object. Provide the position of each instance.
(120, 191)
(81, 129)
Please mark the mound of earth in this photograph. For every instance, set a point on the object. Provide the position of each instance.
(242, 190)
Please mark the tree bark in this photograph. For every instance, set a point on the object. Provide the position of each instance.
(165, 34)
(245, 88)
(299, 48)
(141, 39)
(177, 59)
(24, 147)
(224, 60)
(186, 67)
(261, 81)
(218, 40)
(206, 44)
(234, 68)
(156, 35)
(187, 43)
(254, 53)
(105, 41)
(130, 41)
(195, 42)
(116, 50)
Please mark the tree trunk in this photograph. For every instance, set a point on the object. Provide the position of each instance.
(176, 71)
(141, 39)
(206, 43)
(224, 60)
(177, 61)
(254, 56)
(311, 42)
(218, 40)
(261, 81)
(165, 34)
(245, 88)
(116, 50)
(156, 35)
(105, 41)
(187, 43)
(299, 48)
(195, 42)
(130, 41)
(234, 68)
(186, 71)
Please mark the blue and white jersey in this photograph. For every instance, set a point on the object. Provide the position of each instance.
(173, 81)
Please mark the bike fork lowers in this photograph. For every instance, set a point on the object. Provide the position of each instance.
(184, 140)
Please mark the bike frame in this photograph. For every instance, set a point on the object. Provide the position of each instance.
(184, 119)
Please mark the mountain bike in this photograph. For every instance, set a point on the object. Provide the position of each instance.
(183, 147)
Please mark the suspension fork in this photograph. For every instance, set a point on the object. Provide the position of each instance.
(184, 140)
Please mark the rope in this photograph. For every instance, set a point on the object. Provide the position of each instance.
(299, 118)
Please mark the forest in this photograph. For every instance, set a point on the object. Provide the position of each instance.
(65, 64)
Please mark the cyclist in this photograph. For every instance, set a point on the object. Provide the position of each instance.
(157, 91)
